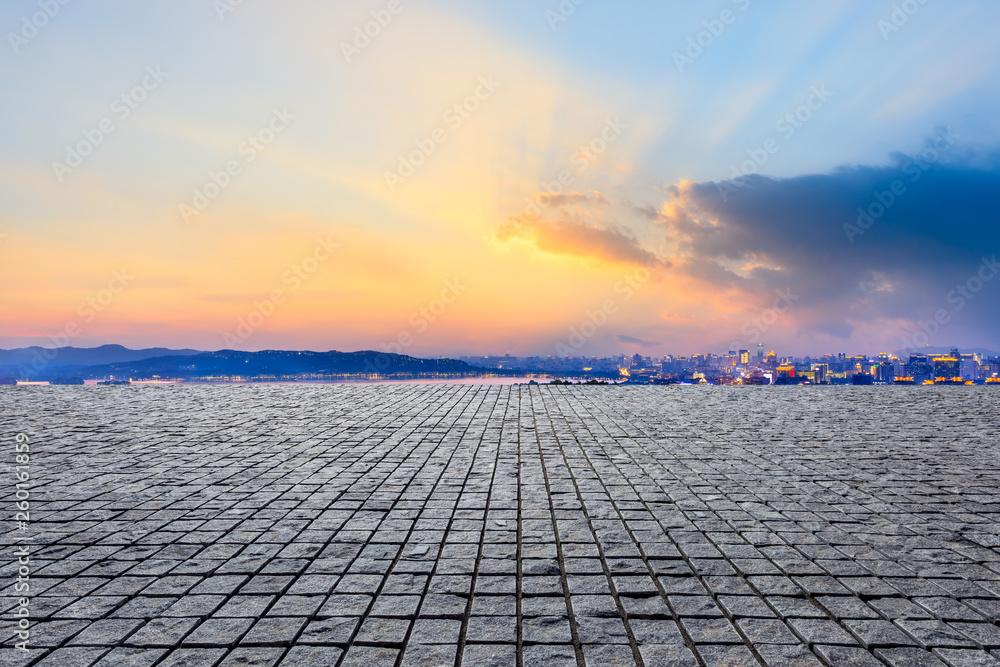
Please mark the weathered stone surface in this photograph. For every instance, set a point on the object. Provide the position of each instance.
(423, 525)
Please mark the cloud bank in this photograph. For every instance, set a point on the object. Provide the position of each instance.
(858, 246)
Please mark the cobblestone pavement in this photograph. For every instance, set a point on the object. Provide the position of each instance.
(495, 526)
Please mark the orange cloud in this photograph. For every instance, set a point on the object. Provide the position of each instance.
(575, 239)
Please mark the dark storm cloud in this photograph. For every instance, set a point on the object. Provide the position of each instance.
(857, 244)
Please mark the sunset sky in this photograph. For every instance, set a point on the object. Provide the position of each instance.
(214, 173)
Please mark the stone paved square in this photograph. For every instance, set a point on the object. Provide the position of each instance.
(476, 526)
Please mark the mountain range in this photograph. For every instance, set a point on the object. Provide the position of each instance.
(279, 363)
(116, 361)
(945, 350)
(84, 356)
(45, 363)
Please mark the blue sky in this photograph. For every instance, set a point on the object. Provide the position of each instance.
(888, 82)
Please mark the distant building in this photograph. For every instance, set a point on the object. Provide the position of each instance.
(947, 368)
(771, 360)
(969, 368)
(920, 367)
(885, 372)
(786, 375)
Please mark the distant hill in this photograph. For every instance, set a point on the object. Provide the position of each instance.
(39, 363)
(278, 363)
(85, 356)
(945, 350)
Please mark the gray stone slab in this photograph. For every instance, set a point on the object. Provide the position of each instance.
(387, 524)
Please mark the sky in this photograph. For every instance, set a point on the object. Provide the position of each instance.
(438, 177)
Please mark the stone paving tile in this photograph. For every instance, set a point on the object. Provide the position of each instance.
(419, 526)
(74, 655)
(966, 658)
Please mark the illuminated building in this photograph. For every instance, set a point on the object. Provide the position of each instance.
(785, 374)
(821, 371)
(947, 367)
(885, 372)
(919, 367)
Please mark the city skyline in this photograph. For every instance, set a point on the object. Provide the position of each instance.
(698, 352)
(116, 364)
(249, 176)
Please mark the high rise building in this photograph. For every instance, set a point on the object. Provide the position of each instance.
(920, 368)
(947, 367)
(885, 372)
(771, 361)
(760, 353)
(785, 374)
(821, 371)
